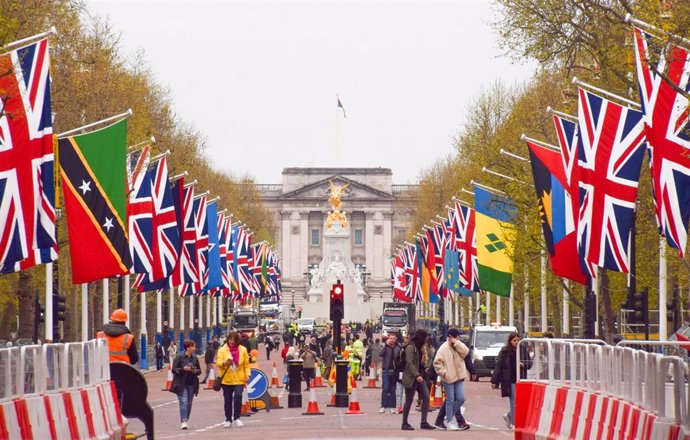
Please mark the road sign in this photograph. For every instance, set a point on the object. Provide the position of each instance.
(258, 384)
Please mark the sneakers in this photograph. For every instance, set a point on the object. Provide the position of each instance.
(453, 426)
(239, 423)
(184, 425)
(463, 427)
(507, 420)
(440, 426)
(407, 427)
(426, 425)
(393, 411)
(382, 410)
(227, 424)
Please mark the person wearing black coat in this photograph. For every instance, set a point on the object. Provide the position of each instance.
(186, 370)
(505, 373)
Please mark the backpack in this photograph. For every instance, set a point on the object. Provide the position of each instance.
(399, 360)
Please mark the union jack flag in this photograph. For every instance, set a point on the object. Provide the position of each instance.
(202, 241)
(466, 246)
(27, 188)
(258, 255)
(245, 264)
(439, 237)
(186, 270)
(140, 221)
(610, 155)
(667, 126)
(224, 232)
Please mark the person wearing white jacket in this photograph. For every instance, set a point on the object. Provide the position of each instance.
(449, 364)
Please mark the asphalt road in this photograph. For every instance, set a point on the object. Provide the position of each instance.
(483, 410)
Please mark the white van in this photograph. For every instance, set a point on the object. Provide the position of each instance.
(486, 342)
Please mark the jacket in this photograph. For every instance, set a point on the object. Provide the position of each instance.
(121, 345)
(505, 371)
(412, 366)
(449, 362)
(180, 375)
(387, 355)
(238, 375)
(309, 359)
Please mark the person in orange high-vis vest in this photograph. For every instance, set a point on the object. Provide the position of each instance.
(121, 343)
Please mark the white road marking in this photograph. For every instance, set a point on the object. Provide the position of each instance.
(163, 404)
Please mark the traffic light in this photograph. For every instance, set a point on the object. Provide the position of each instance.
(60, 307)
(673, 310)
(640, 307)
(337, 307)
(39, 317)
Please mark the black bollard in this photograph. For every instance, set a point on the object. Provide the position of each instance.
(295, 383)
(341, 396)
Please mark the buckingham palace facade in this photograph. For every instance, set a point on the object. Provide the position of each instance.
(378, 214)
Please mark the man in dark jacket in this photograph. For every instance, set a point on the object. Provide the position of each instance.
(210, 358)
(389, 376)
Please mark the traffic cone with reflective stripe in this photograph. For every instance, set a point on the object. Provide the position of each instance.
(246, 410)
(371, 382)
(331, 399)
(168, 381)
(274, 377)
(318, 380)
(437, 399)
(275, 400)
(354, 404)
(313, 405)
(211, 378)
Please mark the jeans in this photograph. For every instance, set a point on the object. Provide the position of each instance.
(185, 398)
(308, 374)
(208, 371)
(442, 416)
(511, 410)
(423, 392)
(398, 394)
(455, 397)
(388, 389)
(232, 397)
(159, 363)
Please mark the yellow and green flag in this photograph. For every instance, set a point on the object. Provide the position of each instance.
(495, 235)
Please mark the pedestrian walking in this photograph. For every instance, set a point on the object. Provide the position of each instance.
(233, 356)
(449, 364)
(186, 371)
(459, 417)
(309, 366)
(276, 342)
(172, 351)
(209, 359)
(376, 349)
(328, 358)
(160, 355)
(270, 346)
(413, 379)
(389, 376)
(505, 374)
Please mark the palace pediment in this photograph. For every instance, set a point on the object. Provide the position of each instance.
(320, 190)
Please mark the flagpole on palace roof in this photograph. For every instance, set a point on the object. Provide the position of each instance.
(124, 115)
(551, 111)
(51, 31)
(514, 156)
(582, 84)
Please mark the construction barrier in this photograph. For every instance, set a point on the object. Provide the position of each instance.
(58, 391)
(573, 390)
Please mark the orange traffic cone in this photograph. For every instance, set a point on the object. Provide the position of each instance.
(437, 399)
(275, 401)
(331, 400)
(168, 381)
(313, 405)
(354, 404)
(371, 382)
(211, 378)
(246, 410)
(274, 377)
(318, 380)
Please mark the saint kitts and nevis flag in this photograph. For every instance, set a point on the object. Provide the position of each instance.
(495, 235)
(94, 182)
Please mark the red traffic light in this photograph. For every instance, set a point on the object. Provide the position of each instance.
(337, 291)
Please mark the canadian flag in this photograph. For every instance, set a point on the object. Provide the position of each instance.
(399, 279)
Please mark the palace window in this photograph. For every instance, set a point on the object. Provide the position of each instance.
(359, 237)
(315, 237)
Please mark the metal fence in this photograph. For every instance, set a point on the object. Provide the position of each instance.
(653, 381)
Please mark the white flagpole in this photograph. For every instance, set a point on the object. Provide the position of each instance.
(498, 309)
(126, 114)
(543, 292)
(566, 309)
(106, 300)
(171, 309)
(595, 292)
(85, 312)
(127, 293)
(49, 304)
(143, 362)
(27, 40)
(159, 313)
(462, 314)
(488, 308)
(663, 294)
(191, 316)
(182, 328)
(208, 317)
(525, 301)
(511, 306)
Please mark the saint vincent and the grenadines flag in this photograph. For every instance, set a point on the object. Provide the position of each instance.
(495, 235)
(556, 206)
(92, 167)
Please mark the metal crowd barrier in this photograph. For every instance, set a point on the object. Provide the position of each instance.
(652, 381)
(38, 369)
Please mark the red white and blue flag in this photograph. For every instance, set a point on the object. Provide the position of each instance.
(27, 187)
(186, 270)
(667, 125)
(610, 156)
(140, 223)
(202, 242)
(245, 264)
(466, 246)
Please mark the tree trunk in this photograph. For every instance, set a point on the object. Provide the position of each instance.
(26, 306)
(6, 321)
(608, 316)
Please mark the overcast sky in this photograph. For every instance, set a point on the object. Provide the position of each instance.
(260, 78)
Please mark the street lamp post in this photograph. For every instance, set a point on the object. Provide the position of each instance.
(292, 305)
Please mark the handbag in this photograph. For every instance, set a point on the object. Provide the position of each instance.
(219, 382)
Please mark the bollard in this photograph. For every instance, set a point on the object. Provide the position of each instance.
(295, 383)
(341, 397)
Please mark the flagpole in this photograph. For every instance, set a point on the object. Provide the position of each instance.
(525, 300)
(136, 146)
(566, 310)
(488, 308)
(178, 176)
(551, 111)
(543, 292)
(49, 304)
(498, 309)
(182, 329)
(584, 85)
(191, 316)
(159, 156)
(51, 31)
(512, 179)
(124, 115)
(630, 19)
(159, 315)
(106, 300)
(208, 319)
(337, 131)
(127, 293)
(511, 306)
(514, 156)
(525, 138)
(488, 188)
(143, 362)
(85, 312)
(171, 311)
(663, 330)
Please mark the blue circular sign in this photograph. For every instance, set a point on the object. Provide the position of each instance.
(258, 384)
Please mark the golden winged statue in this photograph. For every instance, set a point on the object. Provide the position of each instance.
(335, 199)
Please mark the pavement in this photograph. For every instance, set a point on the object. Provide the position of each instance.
(484, 409)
